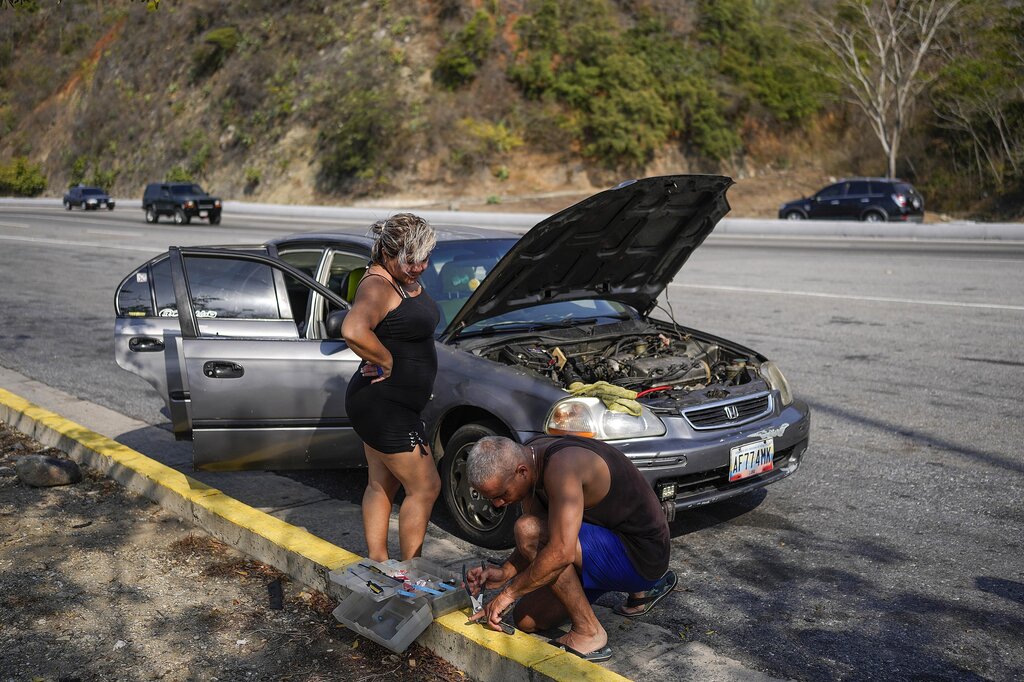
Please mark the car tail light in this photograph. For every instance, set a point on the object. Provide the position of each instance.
(900, 199)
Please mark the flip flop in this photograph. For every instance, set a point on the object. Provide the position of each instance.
(653, 596)
(599, 656)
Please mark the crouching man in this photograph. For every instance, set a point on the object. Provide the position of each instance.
(591, 524)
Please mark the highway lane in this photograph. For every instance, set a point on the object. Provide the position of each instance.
(894, 551)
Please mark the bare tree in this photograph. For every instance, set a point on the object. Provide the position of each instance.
(880, 49)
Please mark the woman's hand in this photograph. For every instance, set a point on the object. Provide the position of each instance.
(370, 369)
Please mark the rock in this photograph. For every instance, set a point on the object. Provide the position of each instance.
(42, 471)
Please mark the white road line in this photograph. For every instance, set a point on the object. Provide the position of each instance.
(20, 225)
(66, 242)
(114, 233)
(878, 299)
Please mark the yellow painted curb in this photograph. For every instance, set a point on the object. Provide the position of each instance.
(522, 649)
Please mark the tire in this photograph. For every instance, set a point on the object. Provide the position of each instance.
(215, 219)
(109, 207)
(151, 215)
(873, 217)
(478, 521)
(67, 205)
(180, 218)
(795, 215)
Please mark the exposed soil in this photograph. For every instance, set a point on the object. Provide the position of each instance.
(99, 584)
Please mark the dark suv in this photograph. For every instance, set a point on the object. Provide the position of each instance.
(181, 200)
(869, 199)
(89, 198)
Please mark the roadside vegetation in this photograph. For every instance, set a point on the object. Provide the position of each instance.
(320, 100)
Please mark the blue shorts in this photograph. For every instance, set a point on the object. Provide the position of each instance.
(606, 566)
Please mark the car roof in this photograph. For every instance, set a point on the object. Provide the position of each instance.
(445, 233)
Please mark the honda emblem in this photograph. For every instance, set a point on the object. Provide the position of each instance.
(731, 411)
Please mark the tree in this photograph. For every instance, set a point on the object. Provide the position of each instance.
(882, 49)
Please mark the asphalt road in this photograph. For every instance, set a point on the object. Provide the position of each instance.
(895, 552)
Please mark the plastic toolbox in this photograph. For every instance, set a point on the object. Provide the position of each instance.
(393, 622)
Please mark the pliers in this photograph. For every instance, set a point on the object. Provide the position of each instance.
(477, 603)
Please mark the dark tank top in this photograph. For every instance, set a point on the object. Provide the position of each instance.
(630, 509)
(407, 331)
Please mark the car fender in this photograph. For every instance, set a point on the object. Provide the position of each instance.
(518, 399)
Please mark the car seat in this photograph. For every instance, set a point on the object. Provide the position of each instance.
(350, 283)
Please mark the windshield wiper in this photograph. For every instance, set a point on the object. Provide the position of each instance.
(517, 325)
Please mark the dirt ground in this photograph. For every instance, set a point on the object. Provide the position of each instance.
(99, 584)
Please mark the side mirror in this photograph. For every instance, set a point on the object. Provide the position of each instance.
(333, 323)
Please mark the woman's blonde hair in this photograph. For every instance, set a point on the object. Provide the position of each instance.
(404, 236)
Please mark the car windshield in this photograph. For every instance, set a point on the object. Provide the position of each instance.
(456, 270)
(186, 189)
(92, 192)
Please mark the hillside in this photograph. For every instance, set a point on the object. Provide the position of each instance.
(464, 103)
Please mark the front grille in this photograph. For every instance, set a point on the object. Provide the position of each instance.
(729, 413)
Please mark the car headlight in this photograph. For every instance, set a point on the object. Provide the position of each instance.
(216, 204)
(773, 375)
(590, 418)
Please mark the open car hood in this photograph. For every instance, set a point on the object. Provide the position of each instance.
(624, 244)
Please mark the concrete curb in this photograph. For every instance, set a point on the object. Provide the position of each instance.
(293, 550)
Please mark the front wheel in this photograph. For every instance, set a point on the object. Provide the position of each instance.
(478, 520)
(215, 219)
(151, 215)
(794, 215)
(180, 218)
(67, 205)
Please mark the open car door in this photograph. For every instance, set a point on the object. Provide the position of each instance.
(266, 386)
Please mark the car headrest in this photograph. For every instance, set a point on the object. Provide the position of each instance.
(333, 323)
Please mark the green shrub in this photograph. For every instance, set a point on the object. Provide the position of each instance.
(216, 47)
(21, 178)
(178, 174)
(464, 53)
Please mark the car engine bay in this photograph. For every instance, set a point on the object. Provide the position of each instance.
(668, 367)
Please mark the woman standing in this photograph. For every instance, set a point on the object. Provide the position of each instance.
(391, 327)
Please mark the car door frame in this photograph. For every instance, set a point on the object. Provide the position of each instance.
(319, 441)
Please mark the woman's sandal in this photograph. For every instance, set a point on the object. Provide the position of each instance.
(650, 598)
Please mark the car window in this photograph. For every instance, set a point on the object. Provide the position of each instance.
(92, 192)
(134, 298)
(305, 259)
(225, 288)
(858, 188)
(338, 272)
(456, 269)
(563, 312)
(831, 191)
(163, 288)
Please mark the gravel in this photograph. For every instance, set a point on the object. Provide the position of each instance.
(97, 583)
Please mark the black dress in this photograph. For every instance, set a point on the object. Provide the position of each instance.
(386, 414)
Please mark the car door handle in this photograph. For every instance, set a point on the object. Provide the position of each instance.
(145, 344)
(222, 370)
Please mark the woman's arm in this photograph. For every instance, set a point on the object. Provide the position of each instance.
(374, 298)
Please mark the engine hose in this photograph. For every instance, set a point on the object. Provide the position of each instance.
(652, 390)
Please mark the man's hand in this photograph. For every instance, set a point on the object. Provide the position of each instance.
(491, 615)
(481, 577)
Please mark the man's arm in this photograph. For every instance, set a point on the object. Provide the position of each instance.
(564, 487)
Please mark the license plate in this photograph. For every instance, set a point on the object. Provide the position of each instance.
(202, 214)
(751, 459)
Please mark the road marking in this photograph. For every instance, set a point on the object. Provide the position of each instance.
(114, 233)
(877, 299)
(66, 242)
(21, 225)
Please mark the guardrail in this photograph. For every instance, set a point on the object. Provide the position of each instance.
(760, 227)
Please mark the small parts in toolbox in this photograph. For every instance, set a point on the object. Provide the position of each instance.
(393, 602)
